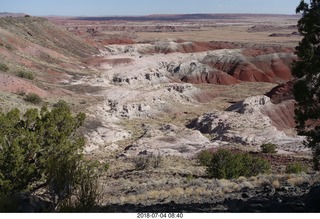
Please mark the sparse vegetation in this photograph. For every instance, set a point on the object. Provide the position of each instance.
(226, 164)
(269, 148)
(205, 157)
(295, 168)
(25, 74)
(60, 103)
(155, 160)
(21, 92)
(3, 67)
(33, 98)
(143, 161)
(9, 47)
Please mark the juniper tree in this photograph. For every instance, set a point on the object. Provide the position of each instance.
(44, 150)
(307, 71)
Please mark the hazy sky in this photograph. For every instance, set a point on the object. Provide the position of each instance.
(145, 7)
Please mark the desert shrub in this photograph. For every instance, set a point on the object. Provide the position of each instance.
(21, 92)
(269, 148)
(142, 162)
(9, 47)
(60, 103)
(33, 98)
(4, 67)
(25, 74)
(43, 150)
(204, 157)
(226, 164)
(155, 160)
(295, 168)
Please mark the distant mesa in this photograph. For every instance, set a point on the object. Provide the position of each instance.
(179, 17)
(7, 14)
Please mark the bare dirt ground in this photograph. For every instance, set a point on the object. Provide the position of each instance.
(252, 29)
(132, 88)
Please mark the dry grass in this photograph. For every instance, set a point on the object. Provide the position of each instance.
(181, 180)
(182, 192)
(229, 33)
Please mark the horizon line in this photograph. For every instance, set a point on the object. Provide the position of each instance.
(148, 15)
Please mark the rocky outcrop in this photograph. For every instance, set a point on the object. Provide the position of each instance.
(282, 115)
(187, 47)
(253, 121)
(211, 77)
(273, 67)
(231, 66)
(168, 140)
(281, 92)
(224, 64)
(197, 73)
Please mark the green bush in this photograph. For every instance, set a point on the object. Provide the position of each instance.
(226, 164)
(295, 168)
(204, 157)
(43, 150)
(25, 74)
(4, 67)
(33, 98)
(269, 148)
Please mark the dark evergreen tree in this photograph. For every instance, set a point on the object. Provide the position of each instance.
(307, 71)
(44, 150)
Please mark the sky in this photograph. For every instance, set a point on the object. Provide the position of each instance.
(145, 7)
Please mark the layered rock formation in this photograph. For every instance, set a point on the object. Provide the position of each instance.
(274, 67)
(155, 87)
(228, 66)
(253, 121)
